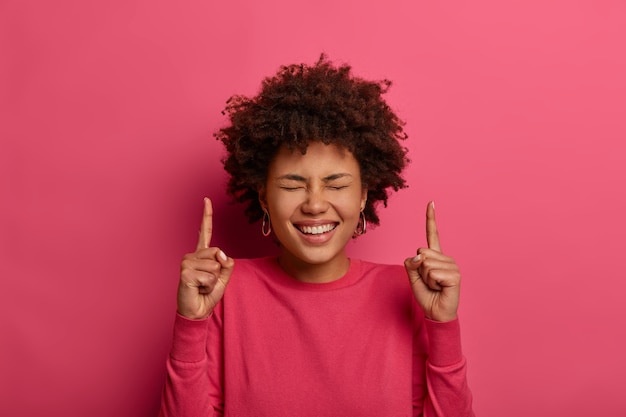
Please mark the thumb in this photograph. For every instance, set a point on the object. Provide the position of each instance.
(227, 266)
(412, 269)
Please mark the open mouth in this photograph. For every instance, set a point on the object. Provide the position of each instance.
(316, 230)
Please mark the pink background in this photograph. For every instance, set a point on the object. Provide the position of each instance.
(516, 112)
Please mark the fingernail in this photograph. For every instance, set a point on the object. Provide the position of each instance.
(433, 203)
(223, 256)
(417, 258)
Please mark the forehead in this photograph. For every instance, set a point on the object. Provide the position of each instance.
(319, 158)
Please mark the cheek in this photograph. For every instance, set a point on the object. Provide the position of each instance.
(350, 204)
(283, 206)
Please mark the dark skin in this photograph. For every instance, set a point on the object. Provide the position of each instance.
(205, 273)
(434, 277)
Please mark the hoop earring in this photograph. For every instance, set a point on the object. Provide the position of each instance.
(361, 228)
(266, 225)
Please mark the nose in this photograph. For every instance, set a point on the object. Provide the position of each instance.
(315, 202)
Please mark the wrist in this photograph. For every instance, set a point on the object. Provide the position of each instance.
(442, 318)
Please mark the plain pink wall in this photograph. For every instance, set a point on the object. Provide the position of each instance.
(516, 112)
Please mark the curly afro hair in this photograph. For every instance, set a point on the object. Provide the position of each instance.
(301, 104)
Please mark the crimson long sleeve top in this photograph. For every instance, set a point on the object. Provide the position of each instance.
(357, 346)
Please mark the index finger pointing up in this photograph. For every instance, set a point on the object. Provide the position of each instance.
(206, 228)
(432, 235)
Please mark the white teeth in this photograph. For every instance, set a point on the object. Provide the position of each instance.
(316, 230)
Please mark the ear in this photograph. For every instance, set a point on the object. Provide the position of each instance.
(363, 198)
(262, 198)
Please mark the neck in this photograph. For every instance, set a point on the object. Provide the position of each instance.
(314, 273)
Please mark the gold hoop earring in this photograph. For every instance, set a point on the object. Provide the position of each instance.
(361, 228)
(266, 225)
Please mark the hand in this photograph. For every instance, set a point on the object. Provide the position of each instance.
(204, 274)
(434, 277)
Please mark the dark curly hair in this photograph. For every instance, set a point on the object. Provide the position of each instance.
(301, 104)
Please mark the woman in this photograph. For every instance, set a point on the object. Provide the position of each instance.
(312, 332)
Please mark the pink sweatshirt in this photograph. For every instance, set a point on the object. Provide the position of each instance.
(357, 346)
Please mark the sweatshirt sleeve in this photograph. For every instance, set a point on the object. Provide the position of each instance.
(191, 390)
(440, 372)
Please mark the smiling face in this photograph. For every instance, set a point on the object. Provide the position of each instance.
(314, 202)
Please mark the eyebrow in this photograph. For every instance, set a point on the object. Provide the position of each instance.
(299, 178)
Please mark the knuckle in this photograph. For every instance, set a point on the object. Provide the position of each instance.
(213, 266)
(186, 264)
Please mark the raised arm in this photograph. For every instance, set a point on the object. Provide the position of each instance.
(435, 279)
(190, 385)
